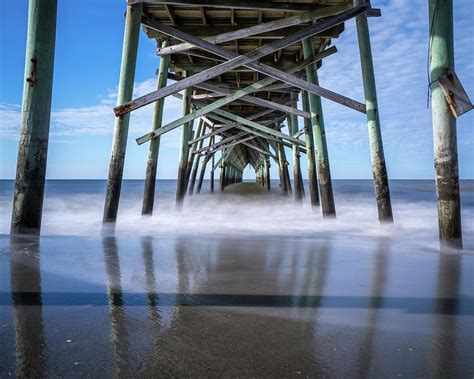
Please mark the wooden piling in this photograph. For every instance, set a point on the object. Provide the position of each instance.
(281, 170)
(379, 169)
(203, 168)
(267, 175)
(196, 157)
(125, 90)
(317, 122)
(293, 129)
(211, 174)
(35, 118)
(184, 151)
(222, 177)
(310, 153)
(444, 124)
(154, 149)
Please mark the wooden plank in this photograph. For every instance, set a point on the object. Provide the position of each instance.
(263, 5)
(210, 31)
(247, 60)
(261, 28)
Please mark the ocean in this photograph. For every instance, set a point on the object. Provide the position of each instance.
(245, 283)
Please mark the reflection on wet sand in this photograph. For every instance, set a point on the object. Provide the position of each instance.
(27, 306)
(192, 307)
(118, 327)
(445, 328)
(377, 289)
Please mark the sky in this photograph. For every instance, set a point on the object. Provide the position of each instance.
(87, 62)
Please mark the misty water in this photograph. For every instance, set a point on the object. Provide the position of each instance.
(74, 208)
(245, 283)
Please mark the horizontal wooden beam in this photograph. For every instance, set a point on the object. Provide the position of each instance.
(263, 5)
(247, 60)
(210, 31)
(279, 24)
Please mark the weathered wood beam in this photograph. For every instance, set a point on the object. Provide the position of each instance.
(169, 12)
(224, 141)
(262, 28)
(256, 132)
(229, 99)
(203, 16)
(211, 31)
(227, 127)
(229, 143)
(247, 60)
(258, 126)
(264, 5)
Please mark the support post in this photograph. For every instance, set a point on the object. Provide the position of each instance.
(444, 125)
(281, 170)
(310, 153)
(293, 128)
(317, 122)
(184, 151)
(203, 168)
(125, 90)
(154, 149)
(222, 177)
(379, 169)
(197, 157)
(267, 175)
(211, 174)
(35, 119)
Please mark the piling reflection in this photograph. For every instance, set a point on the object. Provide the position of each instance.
(445, 322)
(27, 306)
(118, 327)
(375, 304)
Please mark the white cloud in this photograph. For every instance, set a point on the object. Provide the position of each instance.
(94, 120)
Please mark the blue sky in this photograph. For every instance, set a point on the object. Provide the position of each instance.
(87, 63)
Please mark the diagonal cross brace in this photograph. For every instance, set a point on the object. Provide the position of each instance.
(217, 104)
(246, 60)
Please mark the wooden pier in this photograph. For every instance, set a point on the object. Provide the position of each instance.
(241, 67)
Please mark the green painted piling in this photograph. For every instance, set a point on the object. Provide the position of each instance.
(379, 169)
(35, 118)
(196, 157)
(293, 128)
(281, 170)
(186, 131)
(154, 149)
(203, 168)
(444, 124)
(317, 122)
(267, 175)
(310, 153)
(211, 175)
(125, 90)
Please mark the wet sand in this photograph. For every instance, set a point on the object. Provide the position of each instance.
(216, 306)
